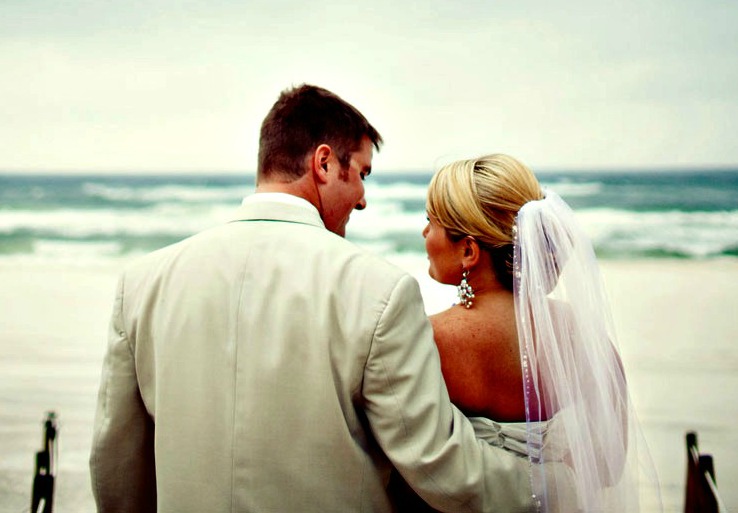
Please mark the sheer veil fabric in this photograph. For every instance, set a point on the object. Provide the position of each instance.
(578, 410)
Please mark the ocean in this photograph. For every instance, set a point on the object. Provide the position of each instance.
(99, 218)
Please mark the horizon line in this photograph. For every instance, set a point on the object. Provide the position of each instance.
(246, 172)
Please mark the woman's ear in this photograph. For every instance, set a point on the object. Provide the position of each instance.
(471, 252)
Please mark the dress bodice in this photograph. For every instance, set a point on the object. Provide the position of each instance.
(551, 454)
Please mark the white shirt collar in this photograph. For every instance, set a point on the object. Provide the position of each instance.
(278, 197)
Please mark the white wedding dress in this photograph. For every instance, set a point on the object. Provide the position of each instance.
(513, 436)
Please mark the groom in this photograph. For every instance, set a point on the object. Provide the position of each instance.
(269, 365)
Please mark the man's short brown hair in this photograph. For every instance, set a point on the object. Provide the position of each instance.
(303, 118)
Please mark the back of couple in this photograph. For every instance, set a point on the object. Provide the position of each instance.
(268, 365)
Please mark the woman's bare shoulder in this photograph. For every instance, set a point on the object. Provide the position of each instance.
(491, 323)
(451, 328)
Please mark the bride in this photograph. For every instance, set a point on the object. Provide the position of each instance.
(529, 352)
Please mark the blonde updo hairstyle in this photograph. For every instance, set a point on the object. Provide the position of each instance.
(480, 198)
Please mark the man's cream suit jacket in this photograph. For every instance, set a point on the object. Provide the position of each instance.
(268, 365)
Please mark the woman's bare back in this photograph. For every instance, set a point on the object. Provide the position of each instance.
(480, 358)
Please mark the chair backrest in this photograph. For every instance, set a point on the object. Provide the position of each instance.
(42, 494)
(701, 490)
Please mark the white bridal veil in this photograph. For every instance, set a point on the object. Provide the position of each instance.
(578, 409)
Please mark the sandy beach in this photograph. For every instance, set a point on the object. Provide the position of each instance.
(675, 319)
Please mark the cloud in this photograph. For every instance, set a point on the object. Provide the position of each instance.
(184, 85)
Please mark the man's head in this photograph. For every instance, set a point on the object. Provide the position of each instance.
(316, 146)
(302, 119)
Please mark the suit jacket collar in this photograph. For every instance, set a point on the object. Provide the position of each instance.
(275, 210)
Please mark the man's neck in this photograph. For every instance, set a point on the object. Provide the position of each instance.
(300, 188)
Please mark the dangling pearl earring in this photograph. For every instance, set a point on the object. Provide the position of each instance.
(466, 292)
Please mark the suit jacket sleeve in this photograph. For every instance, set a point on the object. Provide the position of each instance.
(429, 440)
(122, 458)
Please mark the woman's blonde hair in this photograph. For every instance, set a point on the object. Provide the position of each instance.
(480, 198)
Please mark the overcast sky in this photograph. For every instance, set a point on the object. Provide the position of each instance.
(161, 85)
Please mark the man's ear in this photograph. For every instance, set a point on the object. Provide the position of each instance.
(470, 252)
(319, 162)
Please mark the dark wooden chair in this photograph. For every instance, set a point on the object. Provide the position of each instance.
(701, 493)
(42, 494)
